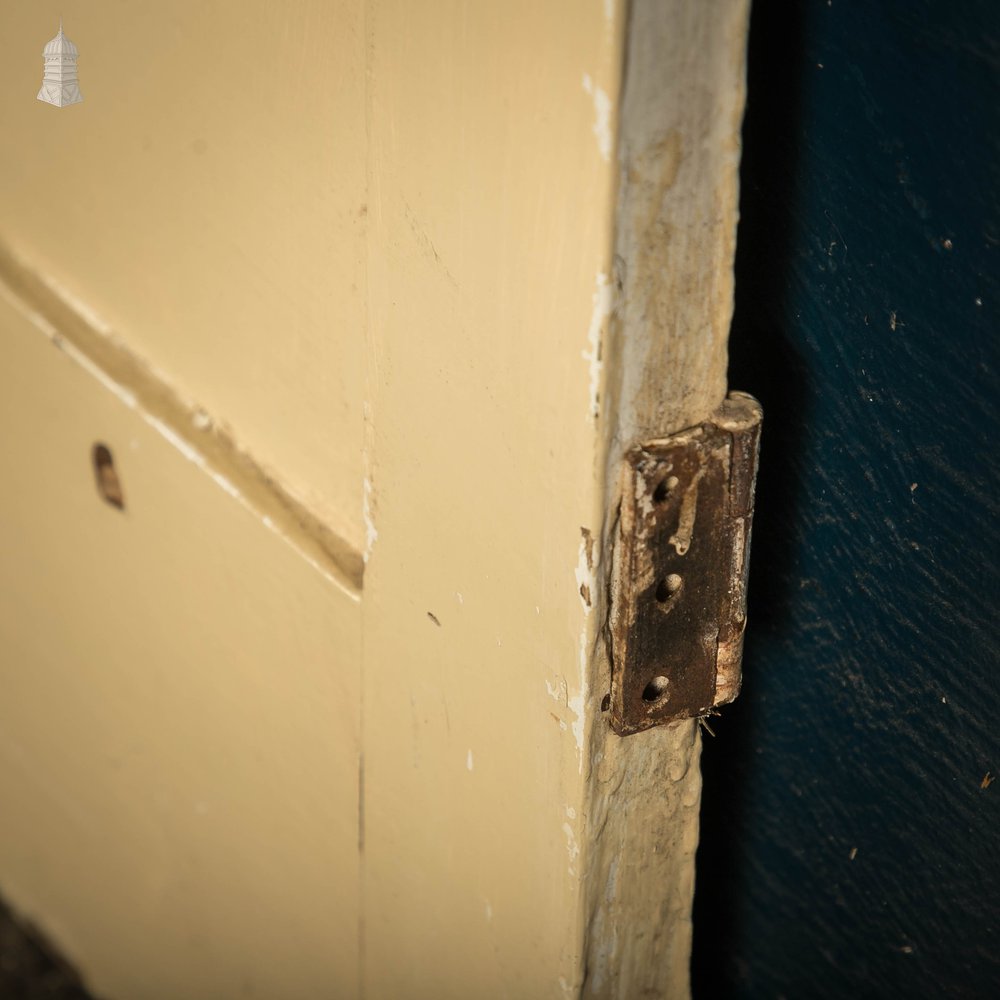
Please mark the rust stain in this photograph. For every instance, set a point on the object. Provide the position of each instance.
(678, 596)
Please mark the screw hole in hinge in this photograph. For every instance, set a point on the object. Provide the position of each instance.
(656, 690)
(108, 484)
(664, 488)
(668, 588)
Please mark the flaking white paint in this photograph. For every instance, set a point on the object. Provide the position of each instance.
(602, 116)
(601, 311)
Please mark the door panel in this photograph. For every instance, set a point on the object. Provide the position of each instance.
(206, 202)
(367, 301)
(179, 729)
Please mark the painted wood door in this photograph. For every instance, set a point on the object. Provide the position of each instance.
(324, 329)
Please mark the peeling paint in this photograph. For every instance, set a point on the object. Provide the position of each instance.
(560, 692)
(602, 120)
(584, 571)
(603, 302)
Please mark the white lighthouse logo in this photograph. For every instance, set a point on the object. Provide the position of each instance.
(60, 86)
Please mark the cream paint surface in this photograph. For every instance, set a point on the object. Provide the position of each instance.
(206, 201)
(490, 213)
(377, 240)
(179, 729)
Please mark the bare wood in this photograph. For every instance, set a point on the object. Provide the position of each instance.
(678, 149)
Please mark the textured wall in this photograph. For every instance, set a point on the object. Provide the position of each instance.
(867, 304)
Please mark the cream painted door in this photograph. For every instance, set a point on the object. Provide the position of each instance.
(364, 301)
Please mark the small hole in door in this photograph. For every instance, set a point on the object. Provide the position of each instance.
(664, 488)
(108, 483)
(668, 587)
(656, 689)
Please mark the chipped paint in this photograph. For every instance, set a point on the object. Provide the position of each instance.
(585, 572)
(468, 760)
(602, 305)
(602, 119)
(560, 690)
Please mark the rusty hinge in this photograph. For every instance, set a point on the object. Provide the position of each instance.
(678, 599)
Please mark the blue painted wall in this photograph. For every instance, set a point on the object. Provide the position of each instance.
(849, 848)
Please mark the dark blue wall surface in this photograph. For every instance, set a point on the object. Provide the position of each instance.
(867, 310)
